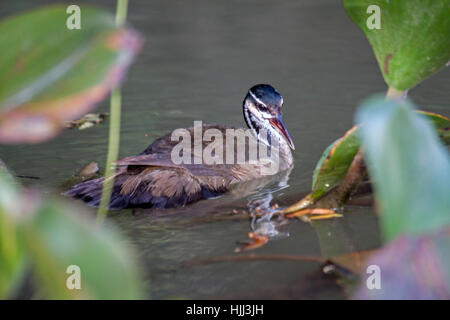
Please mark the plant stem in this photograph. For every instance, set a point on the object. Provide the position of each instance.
(394, 93)
(113, 152)
(114, 130)
(121, 12)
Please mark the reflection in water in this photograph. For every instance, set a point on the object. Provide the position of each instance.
(260, 208)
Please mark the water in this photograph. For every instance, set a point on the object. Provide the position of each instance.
(198, 61)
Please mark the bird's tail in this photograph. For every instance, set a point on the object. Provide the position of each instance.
(91, 191)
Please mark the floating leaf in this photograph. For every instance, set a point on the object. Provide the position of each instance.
(317, 211)
(408, 165)
(50, 74)
(413, 41)
(255, 241)
(325, 216)
(336, 159)
(87, 121)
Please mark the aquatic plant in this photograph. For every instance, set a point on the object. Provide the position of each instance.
(408, 166)
(410, 171)
(50, 75)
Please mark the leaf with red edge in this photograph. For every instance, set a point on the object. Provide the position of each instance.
(50, 74)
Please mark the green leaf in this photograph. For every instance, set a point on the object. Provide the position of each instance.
(12, 255)
(50, 74)
(53, 235)
(334, 163)
(57, 237)
(336, 159)
(414, 39)
(408, 165)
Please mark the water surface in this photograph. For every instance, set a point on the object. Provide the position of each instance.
(199, 59)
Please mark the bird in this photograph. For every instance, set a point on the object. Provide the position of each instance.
(156, 178)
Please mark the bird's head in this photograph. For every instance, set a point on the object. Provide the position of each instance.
(262, 111)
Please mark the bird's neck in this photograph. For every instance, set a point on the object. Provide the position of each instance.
(264, 132)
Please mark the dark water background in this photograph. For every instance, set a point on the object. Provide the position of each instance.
(199, 59)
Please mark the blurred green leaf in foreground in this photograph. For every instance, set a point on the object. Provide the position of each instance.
(53, 235)
(410, 170)
(50, 74)
(409, 167)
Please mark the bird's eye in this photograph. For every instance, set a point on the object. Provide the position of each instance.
(265, 112)
(262, 107)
